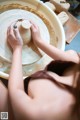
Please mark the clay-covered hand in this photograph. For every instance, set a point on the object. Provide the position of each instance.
(35, 33)
(13, 37)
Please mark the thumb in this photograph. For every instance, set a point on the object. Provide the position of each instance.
(16, 32)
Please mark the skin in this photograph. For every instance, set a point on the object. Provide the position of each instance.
(45, 101)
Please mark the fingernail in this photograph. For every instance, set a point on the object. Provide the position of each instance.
(15, 26)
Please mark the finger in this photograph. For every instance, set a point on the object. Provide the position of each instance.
(17, 34)
(13, 23)
(8, 31)
(32, 27)
(33, 24)
(12, 30)
(16, 31)
(11, 27)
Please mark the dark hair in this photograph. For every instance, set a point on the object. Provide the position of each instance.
(77, 96)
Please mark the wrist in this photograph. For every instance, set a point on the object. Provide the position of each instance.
(18, 48)
(40, 41)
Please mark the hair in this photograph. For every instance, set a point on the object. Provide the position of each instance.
(76, 111)
(77, 95)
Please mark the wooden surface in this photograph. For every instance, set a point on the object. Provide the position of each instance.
(71, 27)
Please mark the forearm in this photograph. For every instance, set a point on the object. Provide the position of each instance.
(18, 97)
(16, 76)
(50, 50)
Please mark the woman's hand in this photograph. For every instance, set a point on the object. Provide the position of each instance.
(35, 33)
(13, 37)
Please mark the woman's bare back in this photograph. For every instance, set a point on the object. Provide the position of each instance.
(50, 98)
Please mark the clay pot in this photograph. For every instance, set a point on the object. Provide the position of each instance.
(24, 29)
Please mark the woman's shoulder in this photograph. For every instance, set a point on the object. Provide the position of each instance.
(73, 56)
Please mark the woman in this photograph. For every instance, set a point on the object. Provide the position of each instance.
(50, 94)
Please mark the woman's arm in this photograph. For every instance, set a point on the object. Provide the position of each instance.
(49, 49)
(21, 103)
(16, 77)
(15, 41)
(58, 54)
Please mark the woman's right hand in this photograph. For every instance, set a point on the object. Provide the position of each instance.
(13, 37)
(35, 32)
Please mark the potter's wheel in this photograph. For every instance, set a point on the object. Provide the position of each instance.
(30, 53)
(50, 28)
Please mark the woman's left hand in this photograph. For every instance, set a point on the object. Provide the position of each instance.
(13, 37)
